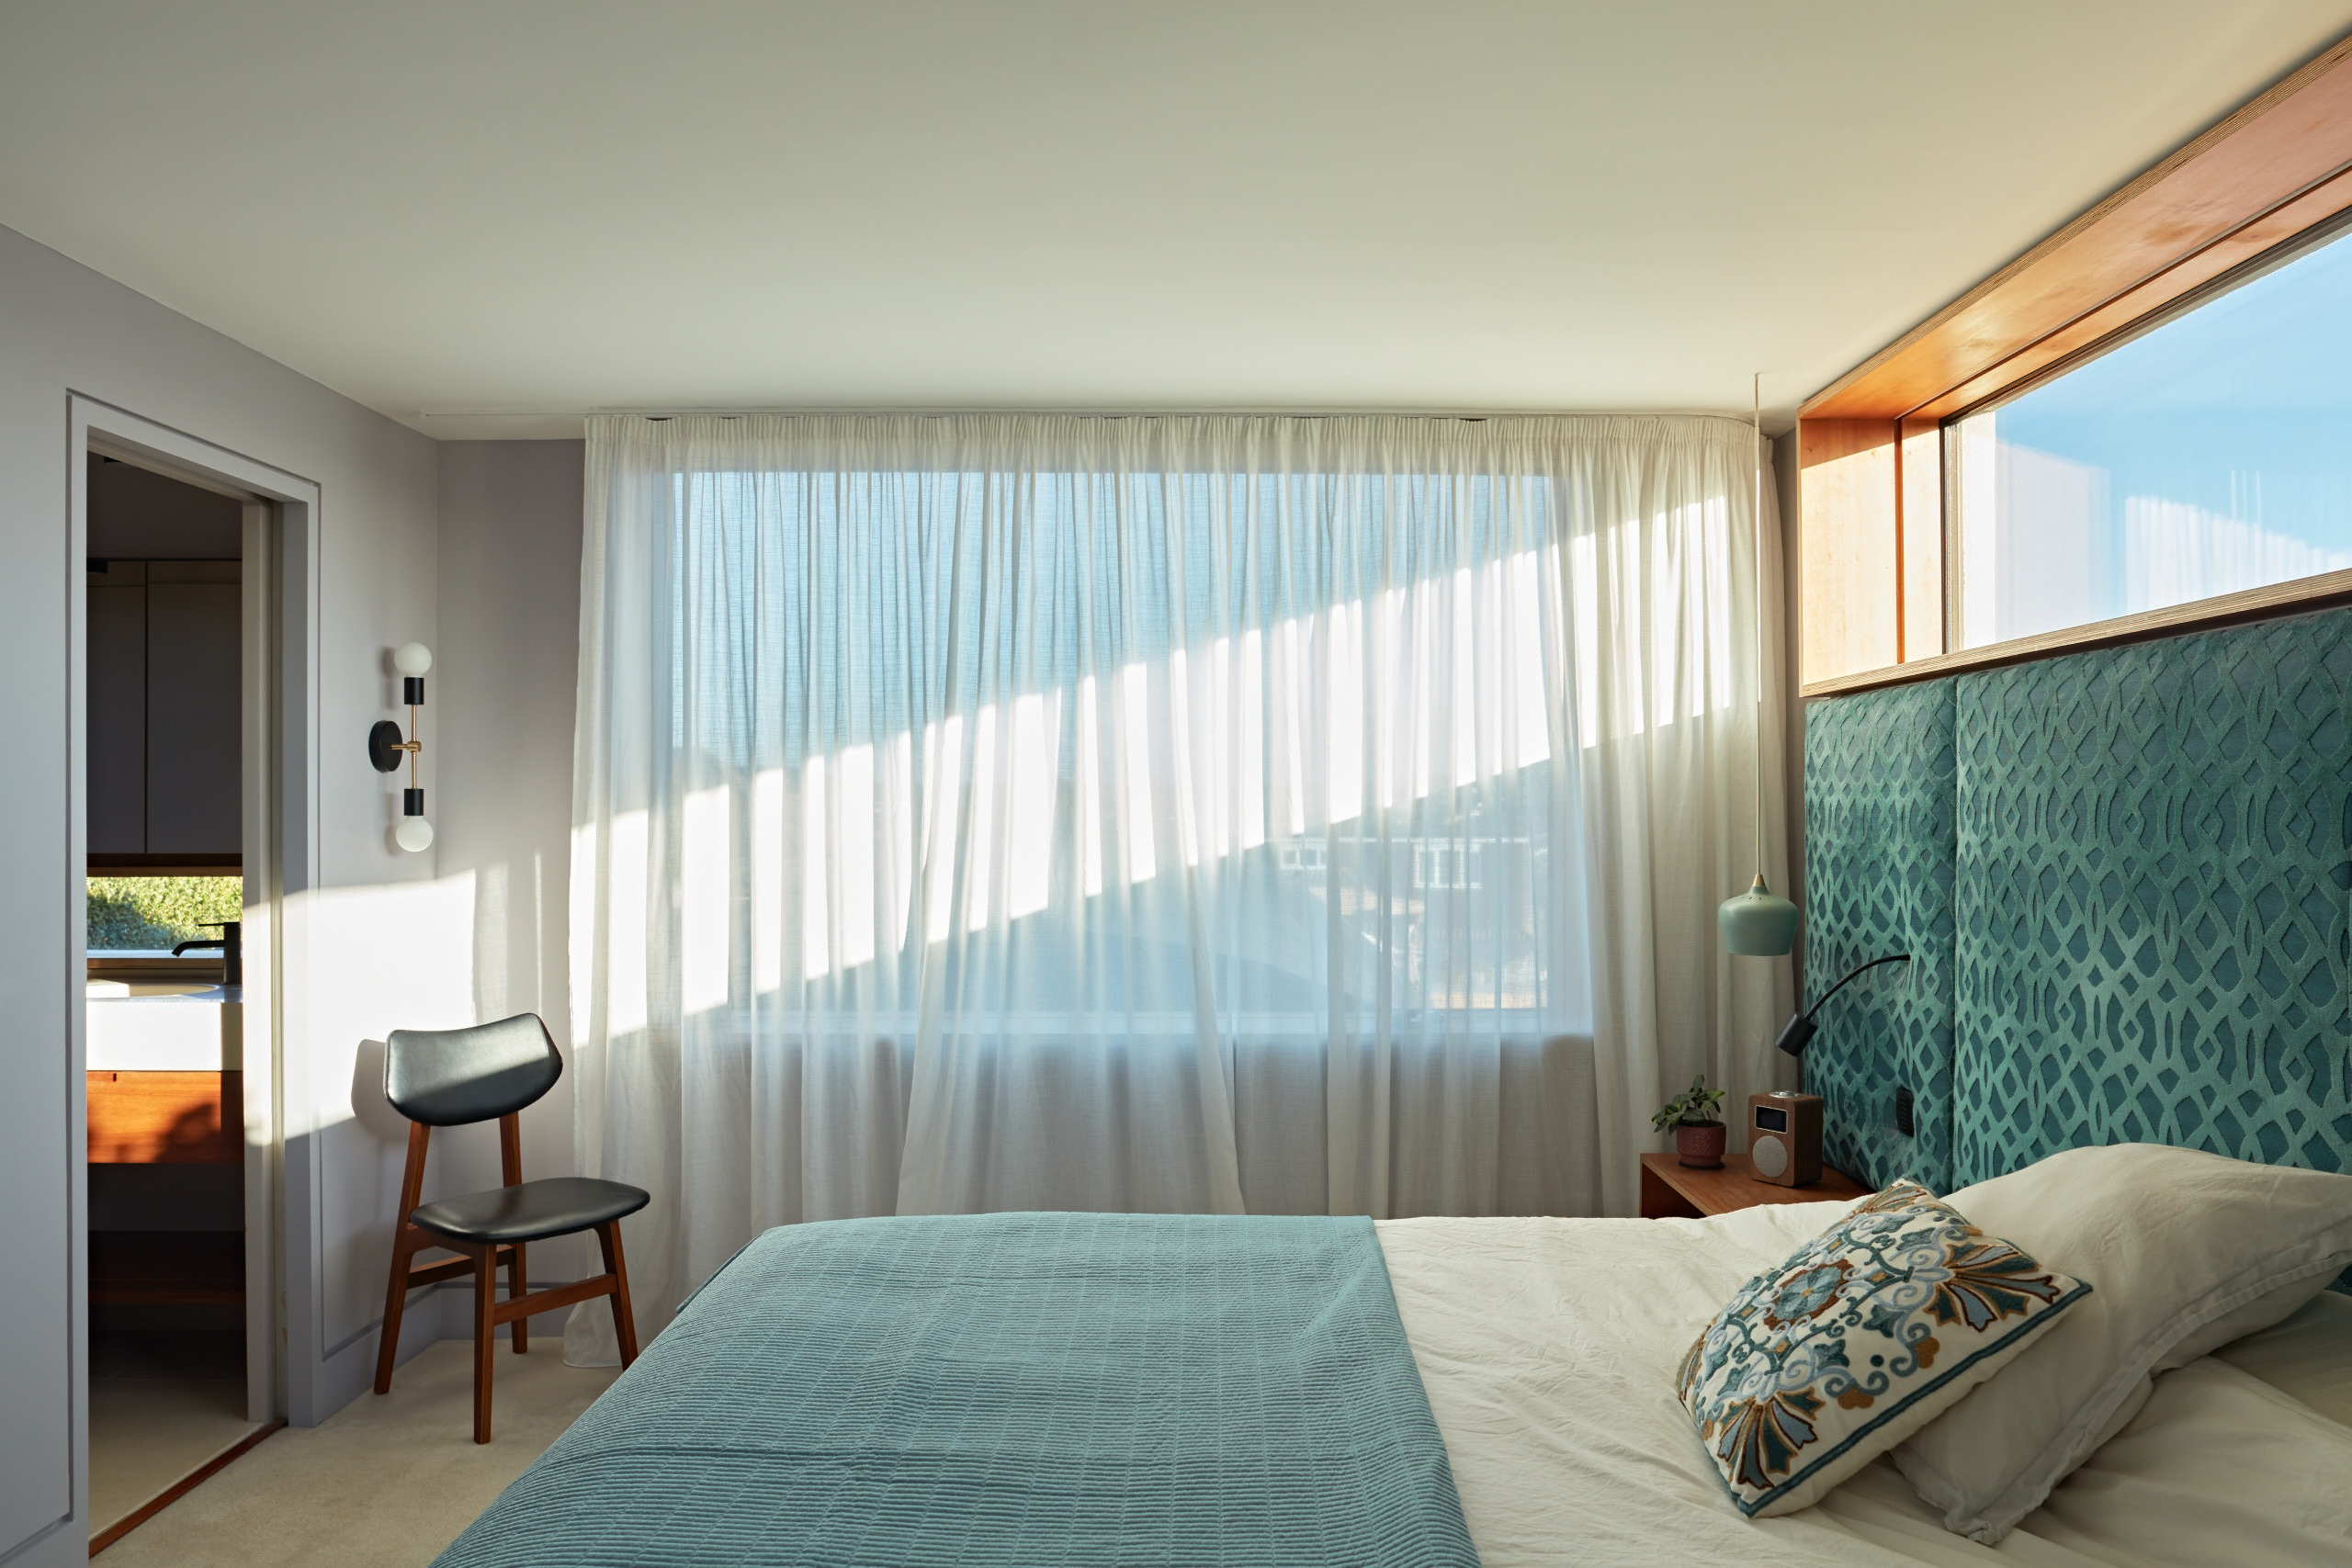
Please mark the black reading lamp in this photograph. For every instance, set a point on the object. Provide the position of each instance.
(1802, 1029)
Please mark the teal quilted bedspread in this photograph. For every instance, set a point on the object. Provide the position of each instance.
(1030, 1390)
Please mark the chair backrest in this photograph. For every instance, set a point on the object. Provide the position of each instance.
(447, 1078)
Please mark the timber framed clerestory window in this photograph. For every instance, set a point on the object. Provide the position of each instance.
(2137, 428)
(2207, 453)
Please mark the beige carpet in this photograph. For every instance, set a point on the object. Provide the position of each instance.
(386, 1481)
(161, 1405)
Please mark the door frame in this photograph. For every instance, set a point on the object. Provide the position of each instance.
(280, 831)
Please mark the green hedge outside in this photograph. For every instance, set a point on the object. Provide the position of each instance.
(149, 913)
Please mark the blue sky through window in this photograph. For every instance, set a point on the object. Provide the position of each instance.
(2211, 455)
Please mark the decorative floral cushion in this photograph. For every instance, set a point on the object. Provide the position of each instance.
(1872, 1330)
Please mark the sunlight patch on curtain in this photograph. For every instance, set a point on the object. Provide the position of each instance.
(1006, 822)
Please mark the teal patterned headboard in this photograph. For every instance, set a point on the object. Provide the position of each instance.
(1879, 848)
(2135, 903)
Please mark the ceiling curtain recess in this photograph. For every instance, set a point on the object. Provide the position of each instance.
(1225, 813)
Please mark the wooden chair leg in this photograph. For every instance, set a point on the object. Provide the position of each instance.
(387, 1346)
(517, 1289)
(510, 1171)
(485, 1336)
(624, 1320)
(395, 1303)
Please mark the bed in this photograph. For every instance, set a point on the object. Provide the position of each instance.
(2128, 929)
(1546, 1349)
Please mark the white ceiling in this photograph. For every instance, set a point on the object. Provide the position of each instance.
(482, 217)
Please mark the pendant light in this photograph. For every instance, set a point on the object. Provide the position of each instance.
(1758, 923)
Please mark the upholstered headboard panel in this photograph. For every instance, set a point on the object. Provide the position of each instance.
(2151, 894)
(2150, 859)
(1879, 845)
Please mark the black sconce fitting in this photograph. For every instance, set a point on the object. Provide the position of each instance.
(385, 745)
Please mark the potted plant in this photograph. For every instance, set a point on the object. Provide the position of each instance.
(1698, 1135)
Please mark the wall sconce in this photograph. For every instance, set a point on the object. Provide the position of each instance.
(385, 745)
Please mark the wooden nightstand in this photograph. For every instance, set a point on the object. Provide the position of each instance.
(1672, 1191)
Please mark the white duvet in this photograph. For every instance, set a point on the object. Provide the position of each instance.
(1548, 1350)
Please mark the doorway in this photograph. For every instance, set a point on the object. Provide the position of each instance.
(182, 830)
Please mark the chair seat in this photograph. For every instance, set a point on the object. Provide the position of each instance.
(555, 1206)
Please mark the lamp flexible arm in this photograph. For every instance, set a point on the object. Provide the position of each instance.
(1800, 1029)
(1858, 974)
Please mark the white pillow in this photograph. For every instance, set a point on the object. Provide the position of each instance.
(2180, 1246)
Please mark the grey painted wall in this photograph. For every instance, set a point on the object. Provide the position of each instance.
(394, 933)
(504, 677)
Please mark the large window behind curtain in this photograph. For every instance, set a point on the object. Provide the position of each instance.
(984, 813)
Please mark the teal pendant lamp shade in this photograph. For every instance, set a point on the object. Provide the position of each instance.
(1757, 924)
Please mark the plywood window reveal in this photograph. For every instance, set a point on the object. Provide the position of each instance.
(2136, 428)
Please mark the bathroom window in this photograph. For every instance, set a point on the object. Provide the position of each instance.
(2208, 455)
(153, 914)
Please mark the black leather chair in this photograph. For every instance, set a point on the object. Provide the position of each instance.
(453, 1077)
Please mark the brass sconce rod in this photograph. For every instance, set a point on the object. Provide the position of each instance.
(385, 743)
(414, 745)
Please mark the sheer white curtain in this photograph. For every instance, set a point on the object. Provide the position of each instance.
(1225, 813)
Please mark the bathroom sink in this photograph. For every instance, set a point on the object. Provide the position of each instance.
(115, 990)
(163, 1026)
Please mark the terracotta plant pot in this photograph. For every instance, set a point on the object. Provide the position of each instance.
(1700, 1144)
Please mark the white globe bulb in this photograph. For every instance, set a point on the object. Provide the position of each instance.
(415, 834)
(412, 659)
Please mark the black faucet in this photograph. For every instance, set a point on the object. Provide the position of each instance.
(232, 944)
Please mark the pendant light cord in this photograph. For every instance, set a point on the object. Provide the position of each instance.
(1755, 521)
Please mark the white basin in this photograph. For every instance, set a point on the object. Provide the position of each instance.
(115, 989)
(163, 1026)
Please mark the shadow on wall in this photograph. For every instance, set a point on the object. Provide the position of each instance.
(368, 1106)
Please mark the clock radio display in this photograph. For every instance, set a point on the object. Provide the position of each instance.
(1772, 1121)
